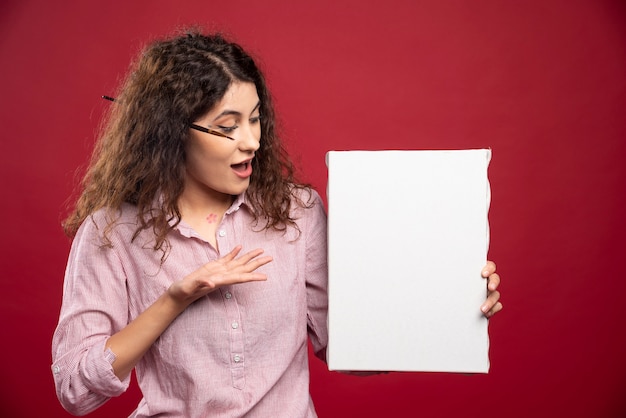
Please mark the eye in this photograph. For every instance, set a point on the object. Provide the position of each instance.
(227, 129)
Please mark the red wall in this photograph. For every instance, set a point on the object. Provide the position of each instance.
(543, 83)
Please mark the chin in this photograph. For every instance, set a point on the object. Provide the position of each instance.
(235, 191)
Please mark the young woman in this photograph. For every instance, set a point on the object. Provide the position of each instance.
(197, 259)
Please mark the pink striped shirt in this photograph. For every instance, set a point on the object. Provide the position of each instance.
(239, 351)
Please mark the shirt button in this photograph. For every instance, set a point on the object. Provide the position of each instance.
(237, 358)
(235, 325)
(228, 295)
(222, 233)
(56, 370)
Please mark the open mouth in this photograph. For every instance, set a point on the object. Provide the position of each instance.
(243, 169)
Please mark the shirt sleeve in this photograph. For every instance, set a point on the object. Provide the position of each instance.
(95, 306)
(317, 276)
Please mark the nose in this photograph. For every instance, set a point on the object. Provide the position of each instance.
(250, 139)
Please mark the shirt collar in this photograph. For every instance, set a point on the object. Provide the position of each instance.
(187, 231)
(240, 200)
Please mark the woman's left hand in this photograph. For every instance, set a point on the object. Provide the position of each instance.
(492, 305)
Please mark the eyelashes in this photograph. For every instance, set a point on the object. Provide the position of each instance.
(230, 129)
(227, 129)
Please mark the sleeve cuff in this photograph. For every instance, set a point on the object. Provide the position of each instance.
(97, 370)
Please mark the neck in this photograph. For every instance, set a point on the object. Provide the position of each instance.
(196, 203)
(204, 212)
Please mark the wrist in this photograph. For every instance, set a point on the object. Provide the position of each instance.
(172, 304)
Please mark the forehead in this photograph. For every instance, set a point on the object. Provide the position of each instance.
(240, 96)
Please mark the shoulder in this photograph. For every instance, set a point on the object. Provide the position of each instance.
(107, 223)
(305, 199)
(308, 211)
(125, 215)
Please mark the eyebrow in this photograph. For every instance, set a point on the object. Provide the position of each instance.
(235, 112)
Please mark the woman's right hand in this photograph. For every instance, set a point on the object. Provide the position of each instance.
(221, 272)
(130, 343)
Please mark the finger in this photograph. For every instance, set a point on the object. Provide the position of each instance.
(491, 301)
(252, 277)
(232, 254)
(489, 269)
(244, 259)
(496, 308)
(237, 278)
(238, 274)
(493, 282)
(256, 263)
(235, 271)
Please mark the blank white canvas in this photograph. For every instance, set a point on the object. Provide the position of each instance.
(408, 237)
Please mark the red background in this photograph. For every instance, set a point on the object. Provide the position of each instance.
(543, 83)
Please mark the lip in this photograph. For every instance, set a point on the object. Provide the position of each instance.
(243, 169)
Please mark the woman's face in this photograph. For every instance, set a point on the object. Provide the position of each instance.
(220, 166)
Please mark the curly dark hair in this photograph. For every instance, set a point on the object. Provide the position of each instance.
(140, 154)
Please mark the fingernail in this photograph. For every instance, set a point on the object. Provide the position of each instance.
(484, 308)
